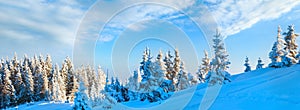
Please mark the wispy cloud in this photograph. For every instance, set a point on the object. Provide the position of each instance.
(55, 21)
(235, 16)
(231, 16)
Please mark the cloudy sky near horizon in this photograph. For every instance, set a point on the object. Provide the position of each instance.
(50, 26)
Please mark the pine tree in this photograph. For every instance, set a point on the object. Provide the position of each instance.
(134, 81)
(8, 89)
(220, 62)
(277, 55)
(176, 66)
(134, 84)
(58, 90)
(259, 64)
(204, 69)
(19, 87)
(48, 71)
(145, 65)
(70, 79)
(91, 77)
(38, 83)
(101, 78)
(159, 70)
(1, 88)
(169, 65)
(28, 81)
(200, 74)
(247, 65)
(183, 80)
(291, 46)
(81, 101)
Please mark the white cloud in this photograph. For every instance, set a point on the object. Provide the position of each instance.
(59, 19)
(31, 19)
(234, 16)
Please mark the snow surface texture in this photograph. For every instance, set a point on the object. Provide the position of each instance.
(268, 89)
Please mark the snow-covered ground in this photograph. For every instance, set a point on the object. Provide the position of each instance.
(267, 88)
(44, 106)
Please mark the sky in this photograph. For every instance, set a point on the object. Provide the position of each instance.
(114, 33)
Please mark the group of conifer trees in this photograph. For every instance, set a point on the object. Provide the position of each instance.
(284, 51)
(34, 79)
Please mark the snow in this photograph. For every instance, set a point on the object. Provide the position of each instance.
(43, 105)
(268, 88)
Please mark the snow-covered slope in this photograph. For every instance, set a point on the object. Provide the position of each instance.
(267, 88)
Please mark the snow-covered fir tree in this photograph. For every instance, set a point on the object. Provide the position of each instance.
(28, 81)
(1, 88)
(200, 74)
(259, 64)
(58, 90)
(81, 101)
(169, 65)
(19, 86)
(291, 46)
(40, 84)
(134, 81)
(176, 66)
(133, 85)
(277, 55)
(159, 70)
(70, 79)
(48, 70)
(183, 79)
(247, 65)
(101, 78)
(204, 68)
(145, 65)
(220, 62)
(8, 89)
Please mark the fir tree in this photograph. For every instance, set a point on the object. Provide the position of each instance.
(247, 65)
(177, 62)
(1, 89)
(145, 65)
(29, 84)
(220, 62)
(58, 90)
(277, 55)
(48, 71)
(19, 87)
(101, 79)
(8, 89)
(169, 65)
(134, 84)
(183, 80)
(291, 46)
(70, 80)
(200, 74)
(204, 69)
(81, 101)
(259, 64)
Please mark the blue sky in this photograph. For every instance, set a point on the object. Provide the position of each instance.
(51, 26)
